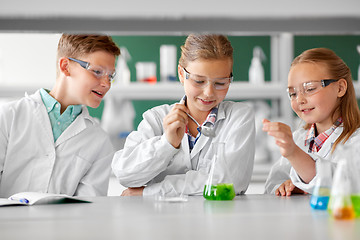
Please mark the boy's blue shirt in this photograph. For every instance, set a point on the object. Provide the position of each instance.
(59, 122)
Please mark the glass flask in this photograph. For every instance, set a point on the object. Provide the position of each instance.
(218, 185)
(340, 204)
(354, 168)
(321, 193)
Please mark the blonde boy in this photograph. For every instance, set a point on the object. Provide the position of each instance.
(48, 140)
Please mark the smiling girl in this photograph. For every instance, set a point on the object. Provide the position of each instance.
(322, 94)
(168, 154)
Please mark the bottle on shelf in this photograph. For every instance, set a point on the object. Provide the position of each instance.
(256, 70)
(168, 63)
(118, 119)
(122, 77)
(146, 72)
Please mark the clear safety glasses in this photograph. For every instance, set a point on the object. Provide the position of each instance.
(202, 82)
(97, 71)
(309, 88)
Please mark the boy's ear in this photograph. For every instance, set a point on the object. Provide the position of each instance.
(342, 87)
(181, 74)
(64, 66)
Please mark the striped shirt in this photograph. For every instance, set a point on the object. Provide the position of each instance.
(316, 142)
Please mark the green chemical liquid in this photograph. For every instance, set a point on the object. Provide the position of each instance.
(355, 199)
(219, 192)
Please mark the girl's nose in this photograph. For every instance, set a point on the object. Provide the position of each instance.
(301, 99)
(209, 89)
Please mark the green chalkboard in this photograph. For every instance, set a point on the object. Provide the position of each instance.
(344, 46)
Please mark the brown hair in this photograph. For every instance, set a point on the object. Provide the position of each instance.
(72, 45)
(336, 67)
(205, 46)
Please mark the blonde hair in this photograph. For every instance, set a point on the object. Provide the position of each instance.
(336, 67)
(205, 46)
(78, 45)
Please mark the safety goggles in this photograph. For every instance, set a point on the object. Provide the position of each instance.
(202, 81)
(97, 71)
(309, 88)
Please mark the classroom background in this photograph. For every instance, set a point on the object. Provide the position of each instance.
(131, 94)
(272, 32)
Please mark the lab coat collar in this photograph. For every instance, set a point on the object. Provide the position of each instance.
(221, 112)
(40, 112)
(75, 128)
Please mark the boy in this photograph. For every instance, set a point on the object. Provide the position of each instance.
(48, 141)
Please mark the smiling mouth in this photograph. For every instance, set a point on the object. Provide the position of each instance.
(98, 93)
(206, 101)
(307, 110)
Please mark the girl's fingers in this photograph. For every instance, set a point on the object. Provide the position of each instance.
(278, 191)
(265, 121)
(282, 190)
(174, 126)
(275, 126)
(289, 189)
(179, 106)
(174, 118)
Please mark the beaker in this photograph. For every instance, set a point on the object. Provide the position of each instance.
(320, 196)
(354, 167)
(219, 185)
(340, 205)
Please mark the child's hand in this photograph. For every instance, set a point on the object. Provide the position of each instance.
(287, 188)
(283, 136)
(175, 124)
(133, 191)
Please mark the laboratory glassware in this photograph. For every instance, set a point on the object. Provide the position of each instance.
(219, 185)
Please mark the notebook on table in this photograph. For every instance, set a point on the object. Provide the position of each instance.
(31, 198)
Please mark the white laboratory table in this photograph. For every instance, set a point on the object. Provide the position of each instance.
(246, 217)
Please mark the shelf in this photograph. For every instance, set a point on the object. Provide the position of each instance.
(119, 26)
(162, 17)
(174, 91)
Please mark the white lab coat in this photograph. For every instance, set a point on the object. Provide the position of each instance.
(282, 170)
(149, 159)
(78, 163)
